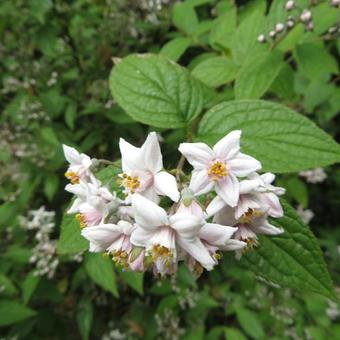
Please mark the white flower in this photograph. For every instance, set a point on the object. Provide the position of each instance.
(219, 167)
(114, 239)
(250, 224)
(317, 175)
(142, 170)
(79, 167)
(306, 215)
(159, 234)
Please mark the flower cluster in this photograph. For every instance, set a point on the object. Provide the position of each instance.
(224, 206)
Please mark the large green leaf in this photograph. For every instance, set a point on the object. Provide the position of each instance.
(156, 91)
(12, 312)
(292, 259)
(101, 271)
(71, 241)
(257, 74)
(134, 280)
(175, 48)
(282, 139)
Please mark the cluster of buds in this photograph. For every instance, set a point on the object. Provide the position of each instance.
(223, 207)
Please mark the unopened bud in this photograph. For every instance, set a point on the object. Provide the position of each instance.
(335, 3)
(306, 16)
(187, 196)
(261, 38)
(310, 26)
(272, 34)
(290, 5)
(279, 27)
(290, 23)
(332, 30)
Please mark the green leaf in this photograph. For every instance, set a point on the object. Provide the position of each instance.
(71, 241)
(233, 334)
(283, 85)
(134, 280)
(184, 17)
(156, 91)
(257, 74)
(314, 59)
(215, 71)
(292, 259)
(250, 322)
(28, 287)
(12, 312)
(244, 41)
(84, 318)
(175, 48)
(101, 271)
(282, 139)
(7, 287)
(51, 185)
(223, 29)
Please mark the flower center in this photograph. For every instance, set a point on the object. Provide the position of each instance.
(217, 171)
(249, 215)
(72, 176)
(161, 252)
(130, 183)
(251, 244)
(82, 220)
(120, 257)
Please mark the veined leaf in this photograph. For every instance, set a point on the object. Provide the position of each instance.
(12, 312)
(292, 259)
(175, 48)
(156, 91)
(282, 139)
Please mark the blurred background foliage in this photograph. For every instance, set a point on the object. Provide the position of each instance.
(55, 60)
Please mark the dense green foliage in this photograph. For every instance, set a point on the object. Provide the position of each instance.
(85, 73)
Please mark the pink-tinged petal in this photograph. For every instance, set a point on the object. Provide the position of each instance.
(215, 206)
(198, 251)
(151, 194)
(166, 185)
(165, 237)
(151, 153)
(272, 203)
(200, 182)
(262, 226)
(125, 227)
(216, 234)
(245, 203)
(250, 185)
(193, 209)
(141, 237)
(243, 165)
(138, 264)
(102, 236)
(131, 156)
(228, 190)
(228, 146)
(268, 177)
(226, 216)
(148, 215)
(233, 245)
(71, 155)
(186, 225)
(199, 155)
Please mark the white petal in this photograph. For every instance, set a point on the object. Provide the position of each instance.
(226, 216)
(250, 185)
(200, 182)
(74, 208)
(243, 165)
(216, 234)
(262, 226)
(101, 236)
(131, 159)
(215, 206)
(186, 225)
(141, 237)
(268, 177)
(271, 201)
(125, 227)
(198, 251)
(151, 153)
(166, 185)
(199, 155)
(245, 203)
(233, 245)
(71, 155)
(148, 215)
(151, 194)
(228, 146)
(228, 190)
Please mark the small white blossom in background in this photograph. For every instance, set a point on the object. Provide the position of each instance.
(114, 333)
(306, 215)
(138, 234)
(168, 326)
(333, 310)
(317, 175)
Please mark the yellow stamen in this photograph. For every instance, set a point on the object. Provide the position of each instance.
(249, 215)
(217, 171)
(81, 219)
(159, 251)
(72, 176)
(120, 257)
(130, 183)
(251, 244)
(198, 269)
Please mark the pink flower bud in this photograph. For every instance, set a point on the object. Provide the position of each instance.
(279, 27)
(261, 38)
(290, 5)
(306, 16)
